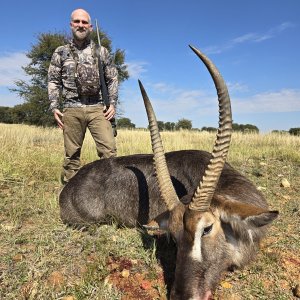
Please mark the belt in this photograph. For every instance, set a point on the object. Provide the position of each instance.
(89, 100)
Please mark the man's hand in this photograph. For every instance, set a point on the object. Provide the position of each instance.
(57, 114)
(109, 112)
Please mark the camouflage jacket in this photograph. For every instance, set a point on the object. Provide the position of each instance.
(61, 74)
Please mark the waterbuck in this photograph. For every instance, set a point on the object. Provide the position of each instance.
(215, 215)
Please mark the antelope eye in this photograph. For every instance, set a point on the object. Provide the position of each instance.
(207, 230)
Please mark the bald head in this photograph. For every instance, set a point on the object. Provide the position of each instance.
(80, 12)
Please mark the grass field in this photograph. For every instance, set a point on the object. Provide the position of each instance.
(41, 258)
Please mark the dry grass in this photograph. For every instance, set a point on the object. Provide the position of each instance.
(40, 258)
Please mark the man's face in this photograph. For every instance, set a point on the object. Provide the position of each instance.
(80, 25)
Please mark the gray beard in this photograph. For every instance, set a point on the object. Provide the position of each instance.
(83, 38)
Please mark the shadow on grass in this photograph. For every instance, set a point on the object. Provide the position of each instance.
(165, 253)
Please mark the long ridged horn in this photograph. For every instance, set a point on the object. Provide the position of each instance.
(166, 187)
(203, 195)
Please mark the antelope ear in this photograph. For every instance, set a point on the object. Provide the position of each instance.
(159, 223)
(252, 215)
(262, 219)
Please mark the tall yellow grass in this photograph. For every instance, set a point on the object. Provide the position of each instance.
(34, 151)
(33, 238)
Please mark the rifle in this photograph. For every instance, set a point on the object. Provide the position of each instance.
(103, 83)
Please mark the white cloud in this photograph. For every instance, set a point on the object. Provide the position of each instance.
(201, 106)
(252, 37)
(169, 104)
(244, 38)
(283, 26)
(175, 100)
(236, 87)
(285, 100)
(163, 87)
(136, 68)
(11, 68)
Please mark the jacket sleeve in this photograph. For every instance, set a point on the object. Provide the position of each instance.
(54, 80)
(111, 76)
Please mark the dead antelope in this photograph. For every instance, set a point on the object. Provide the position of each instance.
(216, 216)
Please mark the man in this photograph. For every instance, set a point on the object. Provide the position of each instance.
(74, 71)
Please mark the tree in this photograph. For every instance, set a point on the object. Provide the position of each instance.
(19, 113)
(251, 128)
(35, 109)
(161, 125)
(235, 127)
(184, 124)
(125, 123)
(5, 115)
(170, 126)
(34, 92)
(247, 128)
(209, 129)
(280, 131)
(295, 131)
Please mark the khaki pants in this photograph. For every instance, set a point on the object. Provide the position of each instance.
(76, 120)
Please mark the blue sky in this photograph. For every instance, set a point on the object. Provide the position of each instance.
(255, 45)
